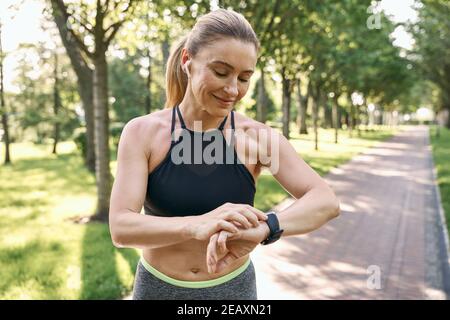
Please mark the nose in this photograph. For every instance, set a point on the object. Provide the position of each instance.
(232, 89)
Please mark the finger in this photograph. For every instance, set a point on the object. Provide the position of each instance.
(235, 216)
(261, 215)
(237, 224)
(210, 260)
(227, 226)
(213, 245)
(251, 217)
(222, 241)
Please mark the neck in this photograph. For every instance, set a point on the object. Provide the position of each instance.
(192, 112)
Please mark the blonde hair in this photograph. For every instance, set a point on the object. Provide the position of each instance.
(210, 27)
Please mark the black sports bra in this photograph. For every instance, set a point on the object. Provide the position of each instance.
(187, 184)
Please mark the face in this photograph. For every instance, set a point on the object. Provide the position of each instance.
(220, 74)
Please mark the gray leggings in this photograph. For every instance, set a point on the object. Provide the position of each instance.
(149, 287)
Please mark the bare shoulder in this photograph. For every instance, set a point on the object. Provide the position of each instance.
(259, 138)
(146, 130)
(253, 128)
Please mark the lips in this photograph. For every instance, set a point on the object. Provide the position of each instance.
(223, 100)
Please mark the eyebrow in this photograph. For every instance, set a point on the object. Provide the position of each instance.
(229, 65)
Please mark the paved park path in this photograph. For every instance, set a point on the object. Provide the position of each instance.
(388, 242)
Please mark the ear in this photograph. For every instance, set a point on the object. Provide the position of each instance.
(184, 58)
(185, 61)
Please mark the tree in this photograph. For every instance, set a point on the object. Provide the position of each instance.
(34, 105)
(264, 108)
(84, 76)
(128, 88)
(3, 106)
(93, 29)
(431, 52)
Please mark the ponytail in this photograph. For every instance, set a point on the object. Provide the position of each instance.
(176, 79)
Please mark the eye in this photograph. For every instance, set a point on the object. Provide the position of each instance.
(220, 74)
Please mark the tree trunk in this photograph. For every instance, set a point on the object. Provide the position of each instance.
(102, 154)
(328, 113)
(302, 108)
(84, 80)
(358, 119)
(335, 117)
(87, 98)
(446, 100)
(339, 117)
(261, 105)
(351, 120)
(3, 106)
(56, 105)
(286, 104)
(315, 116)
(448, 118)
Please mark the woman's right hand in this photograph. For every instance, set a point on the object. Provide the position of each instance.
(226, 217)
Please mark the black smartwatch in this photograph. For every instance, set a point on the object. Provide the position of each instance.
(274, 226)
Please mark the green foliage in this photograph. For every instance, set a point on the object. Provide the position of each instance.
(80, 140)
(127, 88)
(115, 130)
(431, 52)
(271, 110)
(441, 156)
(32, 108)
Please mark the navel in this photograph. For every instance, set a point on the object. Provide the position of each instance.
(195, 270)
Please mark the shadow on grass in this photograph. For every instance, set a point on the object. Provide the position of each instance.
(99, 272)
(131, 257)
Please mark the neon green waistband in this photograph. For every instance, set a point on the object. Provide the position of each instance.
(195, 284)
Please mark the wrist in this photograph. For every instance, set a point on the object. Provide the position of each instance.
(188, 228)
(265, 230)
(274, 227)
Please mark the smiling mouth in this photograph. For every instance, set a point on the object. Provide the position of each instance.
(223, 100)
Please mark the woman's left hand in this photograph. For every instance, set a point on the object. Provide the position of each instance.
(225, 247)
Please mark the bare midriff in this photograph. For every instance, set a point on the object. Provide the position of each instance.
(186, 261)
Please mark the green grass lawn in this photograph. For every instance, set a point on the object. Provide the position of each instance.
(441, 158)
(45, 255)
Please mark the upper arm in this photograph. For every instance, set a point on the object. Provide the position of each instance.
(289, 169)
(130, 184)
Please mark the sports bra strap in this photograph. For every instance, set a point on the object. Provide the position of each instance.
(173, 121)
(180, 117)
(223, 123)
(232, 120)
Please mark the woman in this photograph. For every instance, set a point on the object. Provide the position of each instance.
(200, 224)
